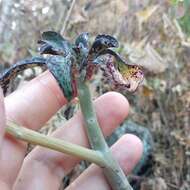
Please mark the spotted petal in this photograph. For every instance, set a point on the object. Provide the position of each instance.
(121, 76)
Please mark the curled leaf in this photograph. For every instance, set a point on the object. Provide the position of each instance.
(54, 43)
(52, 36)
(62, 69)
(14, 70)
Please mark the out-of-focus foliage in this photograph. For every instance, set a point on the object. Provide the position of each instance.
(176, 2)
(185, 19)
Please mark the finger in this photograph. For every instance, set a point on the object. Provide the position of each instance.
(30, 106)
(2, 118)
(51, 165)
(127, 151)
(2, 131)
(36, 102)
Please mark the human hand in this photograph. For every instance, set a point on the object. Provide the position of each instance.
(32, 106)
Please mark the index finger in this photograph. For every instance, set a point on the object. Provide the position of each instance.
(35, 103)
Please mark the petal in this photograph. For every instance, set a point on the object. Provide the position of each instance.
(82, 39)
(101, 43)
(122, 77)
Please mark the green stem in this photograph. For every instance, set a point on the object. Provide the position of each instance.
(97, 141)
(34, 137)
(114, 174)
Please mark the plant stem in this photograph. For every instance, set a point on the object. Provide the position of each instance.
(114, 174)
(34, 137)
(96, 139)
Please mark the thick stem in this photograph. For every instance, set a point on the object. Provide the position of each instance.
(94, 133)
(54, 143)
(114, 174)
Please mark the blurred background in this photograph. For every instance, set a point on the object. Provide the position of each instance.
(153, 33)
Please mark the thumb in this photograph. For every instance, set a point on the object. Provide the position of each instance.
(2, 117)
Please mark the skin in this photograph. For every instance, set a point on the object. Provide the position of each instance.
(32, 106)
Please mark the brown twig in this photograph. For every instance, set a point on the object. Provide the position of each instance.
(67, 17)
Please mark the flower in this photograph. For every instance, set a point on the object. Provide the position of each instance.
(123, 79)
(68, 61)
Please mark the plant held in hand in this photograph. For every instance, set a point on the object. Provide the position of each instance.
(73, 65)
